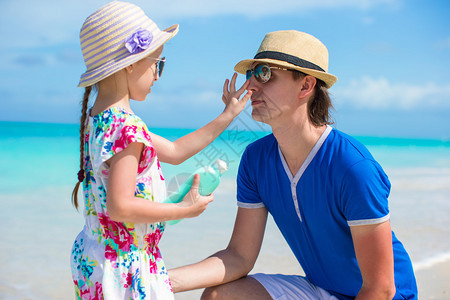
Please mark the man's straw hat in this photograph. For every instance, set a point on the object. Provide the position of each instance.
(293, 50)
(116, 36)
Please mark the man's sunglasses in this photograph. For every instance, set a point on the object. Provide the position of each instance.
(262, 72)
(159, 65)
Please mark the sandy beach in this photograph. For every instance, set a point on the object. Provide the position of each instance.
(433, 281)
(38, 224)
(187, 242)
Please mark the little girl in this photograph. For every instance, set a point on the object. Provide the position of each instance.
(116, 255)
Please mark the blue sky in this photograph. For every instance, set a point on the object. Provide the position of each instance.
(392, 58)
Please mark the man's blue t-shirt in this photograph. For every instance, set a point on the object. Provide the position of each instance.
(339, 185)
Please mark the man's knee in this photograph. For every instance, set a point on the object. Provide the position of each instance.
(212, 293)
(245, 288)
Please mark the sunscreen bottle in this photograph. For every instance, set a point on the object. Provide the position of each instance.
(209, 181)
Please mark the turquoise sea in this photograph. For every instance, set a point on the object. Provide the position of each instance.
(38, 166)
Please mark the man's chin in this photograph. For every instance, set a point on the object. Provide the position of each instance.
(260, 117)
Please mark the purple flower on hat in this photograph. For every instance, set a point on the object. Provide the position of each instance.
(139, 41)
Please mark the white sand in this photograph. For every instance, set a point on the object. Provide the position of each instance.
(433, 283)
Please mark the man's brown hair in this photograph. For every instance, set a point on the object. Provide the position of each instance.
(320, 106)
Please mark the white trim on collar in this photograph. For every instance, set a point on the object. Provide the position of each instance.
(294, 179)
(308, 159)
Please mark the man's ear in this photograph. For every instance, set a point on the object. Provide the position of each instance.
(308, 83)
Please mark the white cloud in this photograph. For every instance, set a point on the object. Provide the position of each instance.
(25, 23)
(255, 8)
(367, 20)
(444, 44)
(380, 47)
(205, 98)
(252, 8)
(29, 24)
(380, 94)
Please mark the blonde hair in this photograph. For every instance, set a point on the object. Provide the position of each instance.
(81, 176)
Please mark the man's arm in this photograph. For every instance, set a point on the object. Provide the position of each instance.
(231, 263)
(373, 247)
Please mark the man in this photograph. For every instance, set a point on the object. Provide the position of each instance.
(325, 191)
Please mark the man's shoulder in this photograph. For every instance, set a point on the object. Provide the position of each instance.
(346, 145)
(265, 141)
(348, 153)
(260, 148)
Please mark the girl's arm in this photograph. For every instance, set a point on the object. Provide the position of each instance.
(183, 148)
(230, 264)
(123, 206)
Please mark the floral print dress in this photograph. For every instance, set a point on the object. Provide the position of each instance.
(114, 260)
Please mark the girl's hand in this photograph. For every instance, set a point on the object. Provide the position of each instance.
(193, 201)
(231, 97)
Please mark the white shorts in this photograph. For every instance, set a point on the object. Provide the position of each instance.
(287, 287)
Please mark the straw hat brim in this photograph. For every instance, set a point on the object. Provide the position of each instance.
(329, 79)
(95, 75)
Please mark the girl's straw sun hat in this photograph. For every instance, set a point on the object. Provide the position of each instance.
(116, 36)
(293, 50)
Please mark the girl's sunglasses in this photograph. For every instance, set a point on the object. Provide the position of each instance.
(262, 72)
(159, 65)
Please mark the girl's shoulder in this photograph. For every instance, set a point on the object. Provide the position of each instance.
(111, 131)
(117, 116)
(114, 121)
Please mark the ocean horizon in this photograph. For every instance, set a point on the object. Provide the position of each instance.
(38, 167)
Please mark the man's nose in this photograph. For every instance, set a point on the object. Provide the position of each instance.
(253, 84)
